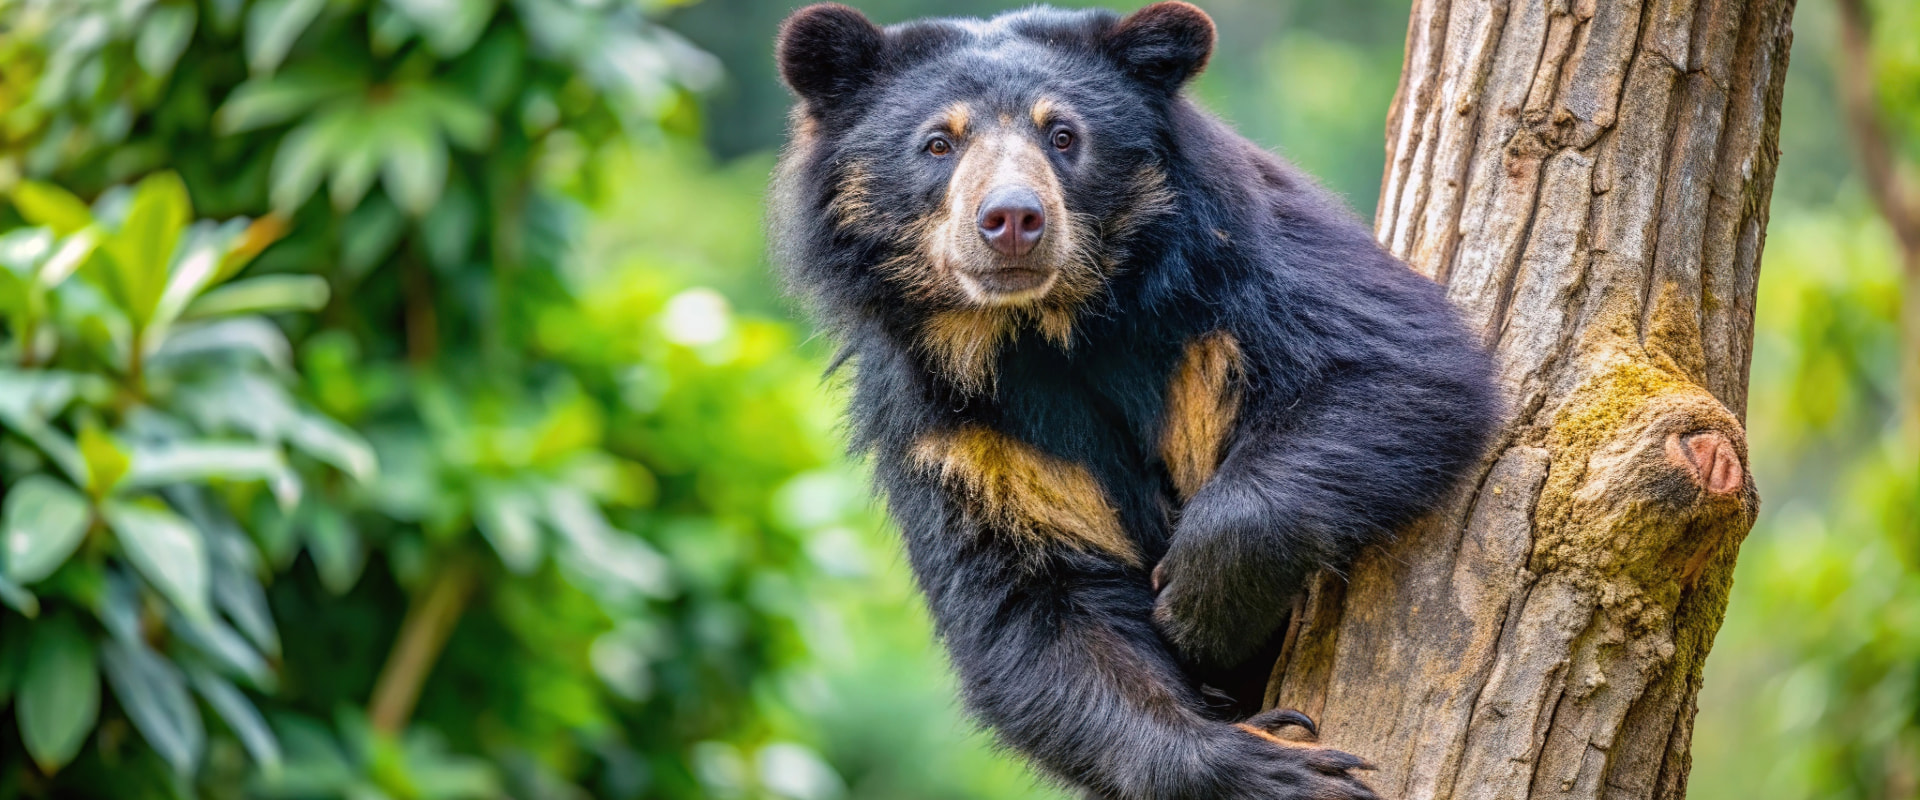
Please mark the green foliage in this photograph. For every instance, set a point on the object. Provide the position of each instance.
(115, 459)
(234, 452)
(59, 693)
(1813, 689)
(1896, 70)
(1816, 664)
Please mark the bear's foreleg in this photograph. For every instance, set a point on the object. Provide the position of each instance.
(1304, 487)
(1056, 654)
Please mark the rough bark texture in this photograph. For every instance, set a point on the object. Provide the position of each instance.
(1590, 180)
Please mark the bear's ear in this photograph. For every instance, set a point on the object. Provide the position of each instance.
(1164, 44)
(827, 52)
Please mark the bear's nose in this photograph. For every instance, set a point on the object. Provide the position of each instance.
(1011, 220)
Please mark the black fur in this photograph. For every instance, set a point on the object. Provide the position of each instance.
(1364, 398)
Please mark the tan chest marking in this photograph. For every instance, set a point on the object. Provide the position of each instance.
(1023, 492)
(1203, 402)
(963, 343)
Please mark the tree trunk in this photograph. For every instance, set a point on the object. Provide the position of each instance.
(1590, 181)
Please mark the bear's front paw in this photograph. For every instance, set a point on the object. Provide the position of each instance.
(1212, 616)
(1294, 768)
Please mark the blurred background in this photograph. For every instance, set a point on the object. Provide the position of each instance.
(397, 403)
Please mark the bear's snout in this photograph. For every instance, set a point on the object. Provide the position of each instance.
(1012, 220)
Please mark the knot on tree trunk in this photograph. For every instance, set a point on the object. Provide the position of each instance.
(1648, 478)
(1646, 485)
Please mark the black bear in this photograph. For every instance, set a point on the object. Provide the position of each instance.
(1126, 381)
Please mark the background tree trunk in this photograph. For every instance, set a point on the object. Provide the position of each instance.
(1590, 180)
(1887, 182)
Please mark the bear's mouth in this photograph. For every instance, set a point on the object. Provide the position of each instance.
(1008, 284)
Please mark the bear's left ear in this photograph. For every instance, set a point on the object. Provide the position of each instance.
(827, 52)
(1164, 44)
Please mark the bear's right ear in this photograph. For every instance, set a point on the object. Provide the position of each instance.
(1163, 45)
(827, 52)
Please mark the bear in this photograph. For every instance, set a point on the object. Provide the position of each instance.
(1125, 380)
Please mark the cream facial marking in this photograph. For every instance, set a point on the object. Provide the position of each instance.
(1043, 112)
(957, 117)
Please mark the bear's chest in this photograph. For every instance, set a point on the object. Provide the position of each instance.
(1101, 407)
(1097, 448)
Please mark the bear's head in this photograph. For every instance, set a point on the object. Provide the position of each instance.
(966, 179)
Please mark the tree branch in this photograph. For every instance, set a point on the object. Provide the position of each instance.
(1899, 200)
(1879, 163)
(429, 621)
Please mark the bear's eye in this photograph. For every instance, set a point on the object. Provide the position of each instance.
(1062, 138)
(939, 146)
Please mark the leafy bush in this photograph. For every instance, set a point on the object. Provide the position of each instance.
(414, 396)
(143, 372)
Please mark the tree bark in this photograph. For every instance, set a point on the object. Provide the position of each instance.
(1589, 179)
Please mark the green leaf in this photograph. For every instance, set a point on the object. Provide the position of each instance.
(58, 448)
(620, 565)
(237, 592)
(369, 235)
(119, 606)
(336, 550)
(72, 253)
(106, 461)
(446, 776)
(265, 294)
(466, 123)
(141, 251)
(304, 158)
(509, 519)
(242, 717)
(154, 696)
(333, 443)
(164, 34)
(226, 15)
(449, 231)
(353, 171)
(28, 398)
(272, 28)
(45, 521)
(35, 394)
(51, 207)
(492, 77)
(227, 649)
(16, 303)
(315, 763)
(196, 461)
(59, 694)
(190, 275)
(262, 102)
(199, 461)
(415, 169)
(167, 550)
(449, 27)
(389, 30)
(23, 248)
(16, 597)
(251, 336)
(257, 236)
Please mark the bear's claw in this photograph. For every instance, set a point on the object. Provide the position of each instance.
(1272, 721)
